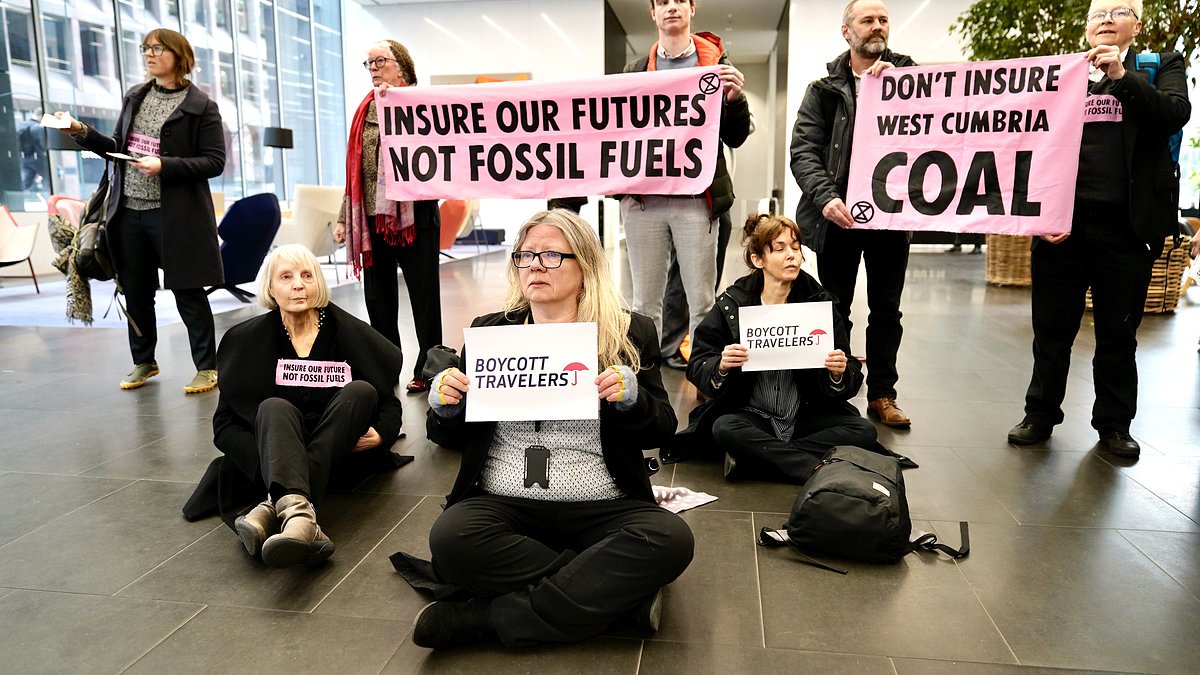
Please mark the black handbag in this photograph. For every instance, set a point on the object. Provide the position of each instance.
(93, 258)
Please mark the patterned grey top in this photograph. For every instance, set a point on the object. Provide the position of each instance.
(776, 398)
(143, 192)
(577, 471)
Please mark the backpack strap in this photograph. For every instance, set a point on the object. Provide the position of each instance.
(927, 541)
(780, 538)
(1148, 62)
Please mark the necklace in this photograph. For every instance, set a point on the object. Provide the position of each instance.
(320, 323)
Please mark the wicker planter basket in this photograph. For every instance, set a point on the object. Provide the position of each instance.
(1008, 260)
(1163, 295)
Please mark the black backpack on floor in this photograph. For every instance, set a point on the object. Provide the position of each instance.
(854, 506)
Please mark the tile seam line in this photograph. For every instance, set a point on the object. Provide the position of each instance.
(162, 639)
(68, 513)
(367, 555)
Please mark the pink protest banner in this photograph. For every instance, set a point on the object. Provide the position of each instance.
(637, 133)
(988, 147)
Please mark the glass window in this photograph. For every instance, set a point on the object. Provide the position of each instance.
(58, 45)
(20, 35)
(331, 109)
(262, 167)
(296, 76)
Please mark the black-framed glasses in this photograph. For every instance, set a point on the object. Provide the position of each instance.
(1115, 14)
(377, 62)
(549, 259)
(156, 50)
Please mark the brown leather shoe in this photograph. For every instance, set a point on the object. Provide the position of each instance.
(885, 410)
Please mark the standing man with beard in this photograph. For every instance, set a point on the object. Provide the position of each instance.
(821, 165)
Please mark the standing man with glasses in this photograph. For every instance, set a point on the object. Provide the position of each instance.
(656, 223)
(1126, 203)
(821, 165)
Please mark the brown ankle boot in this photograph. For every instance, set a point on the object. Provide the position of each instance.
(254, 527)
(300, 539)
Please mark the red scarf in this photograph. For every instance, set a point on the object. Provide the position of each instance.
(393, 220)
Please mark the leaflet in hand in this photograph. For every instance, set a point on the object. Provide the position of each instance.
(121, 155)
(52, 122)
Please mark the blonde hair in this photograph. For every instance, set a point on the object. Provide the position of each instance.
(599, 300)
(300, 257)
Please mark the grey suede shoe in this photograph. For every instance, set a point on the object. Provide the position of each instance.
(254, 527)
(300, 539)
(138, 376)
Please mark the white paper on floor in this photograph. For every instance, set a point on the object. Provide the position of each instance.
(676, 499)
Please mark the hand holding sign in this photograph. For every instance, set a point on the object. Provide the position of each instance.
(835, 363)
(732, 81)
(877, 68)
(733, 356)
(452, 387)
(1108, 59)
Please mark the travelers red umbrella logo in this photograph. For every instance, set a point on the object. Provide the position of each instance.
(818, 331)
(574, 368)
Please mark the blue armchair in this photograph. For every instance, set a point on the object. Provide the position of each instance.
(246, 231)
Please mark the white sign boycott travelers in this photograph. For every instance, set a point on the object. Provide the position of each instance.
(786, 337)
(532, 372)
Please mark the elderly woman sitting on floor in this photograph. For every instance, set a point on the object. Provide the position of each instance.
(307, 396)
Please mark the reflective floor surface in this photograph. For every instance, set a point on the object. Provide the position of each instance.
(1079, 560)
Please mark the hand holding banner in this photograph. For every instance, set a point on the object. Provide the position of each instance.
(532, 372)
(990, 147)
(786, 337)
(635, 133)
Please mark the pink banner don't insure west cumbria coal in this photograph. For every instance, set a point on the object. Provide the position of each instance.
(637, 133)
(988, 147)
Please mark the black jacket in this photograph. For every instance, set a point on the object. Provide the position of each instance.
(721, 328)
(192, 149)
(1153, 112)
(821, 143)
(735, 128)
(650, 423)
(246, 360)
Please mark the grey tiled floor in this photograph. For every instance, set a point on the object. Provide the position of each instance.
(1079, 561)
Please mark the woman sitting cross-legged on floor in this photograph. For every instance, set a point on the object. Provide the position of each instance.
(307, 395)
(774, 424)
(564, 561)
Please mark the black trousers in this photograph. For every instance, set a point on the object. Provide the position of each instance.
(559, 572)
(138, 236)
(299, 457)
(1102, 253)
(419, 263)
(750, 439)
(675, 314)
(885, 255)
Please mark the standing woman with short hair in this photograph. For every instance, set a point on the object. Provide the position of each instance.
(160, 211)
(381, 234)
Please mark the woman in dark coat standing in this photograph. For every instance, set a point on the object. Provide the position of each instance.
(160, 211)
(381, 234)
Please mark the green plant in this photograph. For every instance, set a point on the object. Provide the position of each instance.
(1007, 29)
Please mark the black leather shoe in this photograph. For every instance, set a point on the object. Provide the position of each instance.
(1120, 443)
(1028, 433)
(676, 362)
(447, 624)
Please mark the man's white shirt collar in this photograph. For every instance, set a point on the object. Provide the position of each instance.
(691, 49)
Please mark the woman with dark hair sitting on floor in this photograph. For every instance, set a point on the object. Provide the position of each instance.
(776, 424)
(307, 395)
(564, 561)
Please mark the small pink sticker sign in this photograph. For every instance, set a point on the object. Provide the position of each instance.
(143, 145)
(1103, 109)
(302, 373)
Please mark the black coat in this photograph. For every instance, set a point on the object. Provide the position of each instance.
(721, 328)
(650, 423)
(1153, 112)
(192, 149)
(821, 143)
(246, 360)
